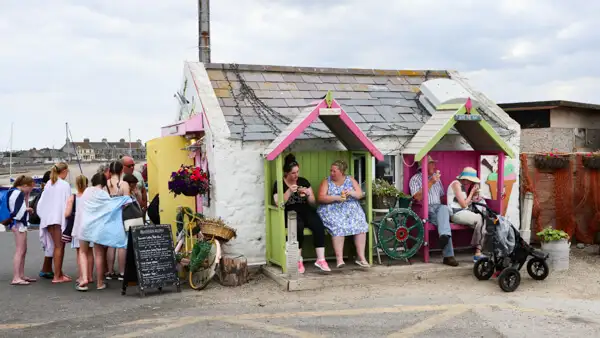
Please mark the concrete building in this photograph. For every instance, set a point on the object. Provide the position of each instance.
(564, 125)
(104, 150)
(240, 109)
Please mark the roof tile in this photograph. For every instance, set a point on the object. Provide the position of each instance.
(273, 77)
(367, 110)
(268, 85)
(374, 118)
(253, 76)
(305, 86)
(311, 78)
(287, 86)
(356, 117)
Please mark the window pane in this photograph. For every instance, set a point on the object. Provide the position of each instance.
(386, 169)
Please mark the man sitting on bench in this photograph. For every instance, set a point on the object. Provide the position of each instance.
(438, 213)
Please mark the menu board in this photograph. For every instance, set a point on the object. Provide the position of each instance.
(150, 258)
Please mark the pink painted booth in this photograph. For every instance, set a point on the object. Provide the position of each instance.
(482, 138)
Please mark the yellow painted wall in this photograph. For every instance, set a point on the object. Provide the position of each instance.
(164, 156)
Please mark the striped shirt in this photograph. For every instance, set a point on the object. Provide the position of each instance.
(435, 192)
(18, 208)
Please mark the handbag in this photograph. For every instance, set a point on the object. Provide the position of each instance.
(132, 215)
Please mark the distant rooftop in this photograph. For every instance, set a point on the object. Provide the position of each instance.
(539, 105)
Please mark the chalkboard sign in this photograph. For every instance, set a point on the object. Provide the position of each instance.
(150, 258)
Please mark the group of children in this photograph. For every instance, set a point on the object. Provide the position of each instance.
(83, 219)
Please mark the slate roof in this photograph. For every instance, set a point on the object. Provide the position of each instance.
(260, 101)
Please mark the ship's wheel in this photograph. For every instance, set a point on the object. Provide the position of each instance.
(400, 234)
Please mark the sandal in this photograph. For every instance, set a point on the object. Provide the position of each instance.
(63, 279)
(80, 287)
(362, 264)
(101, 287)
(340, 265)
(21, 282)
(29, 279)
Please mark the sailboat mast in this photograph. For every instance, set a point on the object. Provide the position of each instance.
(10, 152)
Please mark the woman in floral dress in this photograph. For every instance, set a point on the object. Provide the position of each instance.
(342, 213)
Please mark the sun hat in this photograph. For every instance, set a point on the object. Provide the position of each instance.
(470, 174)
(429, 160)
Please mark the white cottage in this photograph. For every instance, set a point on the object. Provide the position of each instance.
(240, 109)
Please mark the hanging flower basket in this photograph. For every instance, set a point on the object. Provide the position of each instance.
(591, 161)
(189, 181)
(552, 161)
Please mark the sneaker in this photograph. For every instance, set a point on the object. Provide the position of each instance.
(46, 275)
(121, 276)
(300, 267)
(450, 261)
(110, 276)
(323, 265)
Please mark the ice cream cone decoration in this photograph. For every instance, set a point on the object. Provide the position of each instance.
(510, 177)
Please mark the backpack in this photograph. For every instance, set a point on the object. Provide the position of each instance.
(5, 215)
(34, 218)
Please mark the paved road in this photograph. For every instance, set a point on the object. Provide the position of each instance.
(459, 308)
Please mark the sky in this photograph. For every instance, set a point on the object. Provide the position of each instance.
(107, 66)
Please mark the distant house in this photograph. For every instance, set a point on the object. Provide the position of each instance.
(564, 125)
(104, 150)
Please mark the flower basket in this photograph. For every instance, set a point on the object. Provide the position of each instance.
(189, 181)
(591, 161)
(215, 227)
(404, 202)
(384, 202)
(551, 162)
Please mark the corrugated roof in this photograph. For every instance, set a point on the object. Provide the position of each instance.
(261, 101)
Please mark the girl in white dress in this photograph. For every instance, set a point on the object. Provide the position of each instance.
(51, 209)
(81, 182)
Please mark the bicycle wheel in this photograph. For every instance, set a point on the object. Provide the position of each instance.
(200, 279)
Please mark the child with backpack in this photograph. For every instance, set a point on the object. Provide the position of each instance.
(17, 200)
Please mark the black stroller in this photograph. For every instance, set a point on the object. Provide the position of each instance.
(506, 252)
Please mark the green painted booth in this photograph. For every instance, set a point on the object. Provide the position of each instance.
(314, 166)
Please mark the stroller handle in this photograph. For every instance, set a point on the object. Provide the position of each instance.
(490, 211)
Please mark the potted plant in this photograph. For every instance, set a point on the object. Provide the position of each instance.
(556, 244)
(553, 160)
(591, 160)
(385, 195)
(189, 181)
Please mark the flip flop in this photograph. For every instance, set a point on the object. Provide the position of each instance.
(23, 282)
(341, 265)
(81, 287)
(30, 280)
(102, 287)
(47, 275)
(64, 279)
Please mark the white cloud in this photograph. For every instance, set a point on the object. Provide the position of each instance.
(106, 66)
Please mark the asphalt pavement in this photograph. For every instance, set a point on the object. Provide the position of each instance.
(461, 307)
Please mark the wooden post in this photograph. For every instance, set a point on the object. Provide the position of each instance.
(233, 270)
(425, 202)
(291, 246)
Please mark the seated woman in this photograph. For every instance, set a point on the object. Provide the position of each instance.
(298, 196)
(462, 192)
(341, 212)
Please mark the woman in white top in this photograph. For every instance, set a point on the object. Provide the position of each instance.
(116, 187)
(461, 193)
(19, 212)
(51, 209)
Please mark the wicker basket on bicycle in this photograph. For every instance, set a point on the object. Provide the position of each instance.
(216, 227)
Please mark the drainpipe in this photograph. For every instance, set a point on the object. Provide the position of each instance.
(526, 211)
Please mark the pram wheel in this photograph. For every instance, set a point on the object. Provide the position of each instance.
(538, 268)
(509, 279)
(483, 268)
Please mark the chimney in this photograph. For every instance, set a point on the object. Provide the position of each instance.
(138, 141)
(86, 140)
(204, 31)
(122, 140)
(103, 140)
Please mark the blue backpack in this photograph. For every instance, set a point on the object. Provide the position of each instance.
(5, 214)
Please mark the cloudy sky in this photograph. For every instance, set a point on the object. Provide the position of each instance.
(105, 66)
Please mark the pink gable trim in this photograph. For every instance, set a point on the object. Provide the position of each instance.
(357, 132)
(296, 132)
(191, 125)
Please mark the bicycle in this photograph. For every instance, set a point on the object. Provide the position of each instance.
(201, 253)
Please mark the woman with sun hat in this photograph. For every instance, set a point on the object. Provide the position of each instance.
(462, 192)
